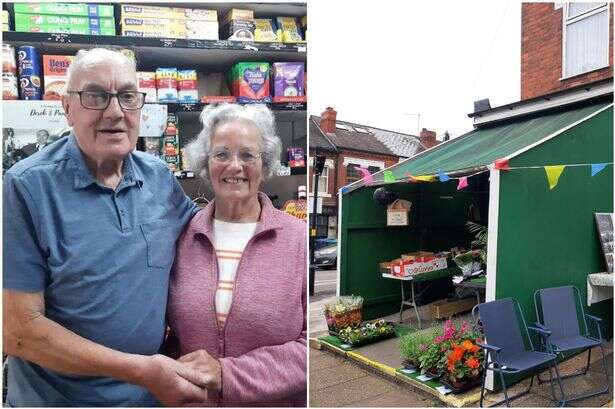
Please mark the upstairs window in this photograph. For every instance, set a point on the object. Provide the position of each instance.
(585, 38)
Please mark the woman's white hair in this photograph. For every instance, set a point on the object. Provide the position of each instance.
(198, 151)
(87, 58)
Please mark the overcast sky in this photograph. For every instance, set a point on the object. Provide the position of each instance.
(381, 63)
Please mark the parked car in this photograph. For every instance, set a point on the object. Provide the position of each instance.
(326, 257)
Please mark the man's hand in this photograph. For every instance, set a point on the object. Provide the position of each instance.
(173, 383)
(208, 367)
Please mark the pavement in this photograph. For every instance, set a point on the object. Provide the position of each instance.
(336, 381)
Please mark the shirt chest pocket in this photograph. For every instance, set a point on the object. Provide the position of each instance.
(160, 236)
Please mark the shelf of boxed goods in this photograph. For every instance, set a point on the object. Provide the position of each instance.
(180, 51)
(275, 106)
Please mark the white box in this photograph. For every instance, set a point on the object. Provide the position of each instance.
(419, 267)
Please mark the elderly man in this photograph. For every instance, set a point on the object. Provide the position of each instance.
(89, 239)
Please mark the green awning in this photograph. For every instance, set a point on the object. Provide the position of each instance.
(477, 149)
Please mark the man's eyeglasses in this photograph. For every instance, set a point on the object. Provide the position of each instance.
(245, 156)
(100, 100)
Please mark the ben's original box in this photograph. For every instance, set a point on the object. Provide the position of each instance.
(54, 75)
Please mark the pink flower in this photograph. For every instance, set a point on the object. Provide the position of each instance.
(464, 327)
(438, 339)
(423, 347)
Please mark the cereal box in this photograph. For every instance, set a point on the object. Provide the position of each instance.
(54, 75)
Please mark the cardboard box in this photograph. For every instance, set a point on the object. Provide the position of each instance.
(54, 75)
(419, 267)
(143, 11)
(146, 82)
(65, 9)
(27, 20)
(154, 34)
(153, 27)
(5, 16)
(290, 29)
(398, 213)
(238, 14)
(239, 30)
(201, 15)
(5, 27)
(202, 30)
(67, 30)
(265, 30)
(447, 308)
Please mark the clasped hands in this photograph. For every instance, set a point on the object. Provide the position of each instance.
(186, 381)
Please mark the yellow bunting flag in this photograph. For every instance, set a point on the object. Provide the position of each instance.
(553, 174)
(431, 178)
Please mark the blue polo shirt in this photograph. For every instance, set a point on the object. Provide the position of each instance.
(102, 258)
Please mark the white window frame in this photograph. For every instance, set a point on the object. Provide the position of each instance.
(566, 21)
(324, 175)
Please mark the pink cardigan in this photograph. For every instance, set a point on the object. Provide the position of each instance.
(262, 349)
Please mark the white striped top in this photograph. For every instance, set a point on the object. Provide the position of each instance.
(229, 241)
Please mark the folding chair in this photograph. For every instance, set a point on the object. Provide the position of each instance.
(505, 350)
(557, 310)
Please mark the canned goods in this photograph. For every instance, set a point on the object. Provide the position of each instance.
(29, 73)
(9, 64)
(9, 86)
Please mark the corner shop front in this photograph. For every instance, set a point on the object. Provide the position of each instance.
(538, 237)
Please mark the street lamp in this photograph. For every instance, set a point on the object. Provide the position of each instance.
(319, 165)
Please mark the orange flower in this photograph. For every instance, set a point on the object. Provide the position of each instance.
(472, 363)
(467, 345)
(457, 353)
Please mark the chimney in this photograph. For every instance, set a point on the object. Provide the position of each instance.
(327, 120)
(428, 138)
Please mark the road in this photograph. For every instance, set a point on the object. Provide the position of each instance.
(325, 283)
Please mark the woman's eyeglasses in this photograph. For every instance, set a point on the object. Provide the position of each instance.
(245, 156)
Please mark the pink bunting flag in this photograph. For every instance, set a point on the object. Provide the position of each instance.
(367, 177)
(463, 183)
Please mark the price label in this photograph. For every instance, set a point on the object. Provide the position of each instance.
(301, 49)
(168, 42)
(59, 37)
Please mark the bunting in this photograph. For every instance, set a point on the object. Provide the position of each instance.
(388, 177)
(553, 174)
(443, 176)
(597, 167)
(367, 177)
(463, 183)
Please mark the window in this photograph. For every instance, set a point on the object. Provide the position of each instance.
(353, 174)
(362, 130)
(586, 38)
(323, 181)
(341, 126)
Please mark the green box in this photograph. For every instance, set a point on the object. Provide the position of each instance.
(64, 24)
(66, 9)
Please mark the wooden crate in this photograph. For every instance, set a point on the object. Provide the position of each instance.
(447, 308)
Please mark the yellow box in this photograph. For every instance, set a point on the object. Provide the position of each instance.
(239, 14)
(143, 11)
(5, 16)
(201, 15)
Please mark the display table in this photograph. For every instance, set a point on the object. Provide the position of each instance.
(599, 287)
(432, 275)
(478, 284)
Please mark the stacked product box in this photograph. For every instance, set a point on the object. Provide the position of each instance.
(265, 30)
(166, 84)
(187, 86)
(168, 22)
(9, 73)
(170, 144)
(238, 25)
(146, 82)
(54, 75)
(5, 20)
(250, 82)
(289, 28)
(288, 81)
(71, 18)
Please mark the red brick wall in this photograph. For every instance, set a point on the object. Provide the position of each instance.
(339, 173)
(541, 52)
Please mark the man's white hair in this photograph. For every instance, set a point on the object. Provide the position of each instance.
(94, 56)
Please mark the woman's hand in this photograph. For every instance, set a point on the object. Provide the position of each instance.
(209, 367)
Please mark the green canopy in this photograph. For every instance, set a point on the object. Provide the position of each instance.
(477, 149)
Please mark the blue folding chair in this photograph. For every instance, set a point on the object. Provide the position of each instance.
(558, 310)
(505, 350)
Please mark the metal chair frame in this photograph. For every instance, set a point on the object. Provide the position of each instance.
(549, 347)
(492, 361)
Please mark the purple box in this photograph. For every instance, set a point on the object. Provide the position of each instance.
(288, 79)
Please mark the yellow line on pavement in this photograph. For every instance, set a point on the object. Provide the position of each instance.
(380, 366)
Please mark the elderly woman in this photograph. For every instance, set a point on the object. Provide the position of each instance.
(237, 302)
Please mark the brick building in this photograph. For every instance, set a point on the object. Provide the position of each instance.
(564, 45)
(347, 146)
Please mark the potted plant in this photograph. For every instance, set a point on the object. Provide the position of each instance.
(468, 261)
(463, 366)
(343, 312)
(412, 346)
(367, 332)
(480, 242)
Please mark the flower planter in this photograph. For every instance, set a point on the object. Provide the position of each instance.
(380, 330)
(410, 365)
(433, 374)
(463, 386)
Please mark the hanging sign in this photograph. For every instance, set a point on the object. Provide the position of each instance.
(398, 213)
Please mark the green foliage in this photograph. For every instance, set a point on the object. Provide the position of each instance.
(411, 346)
(480, 242)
